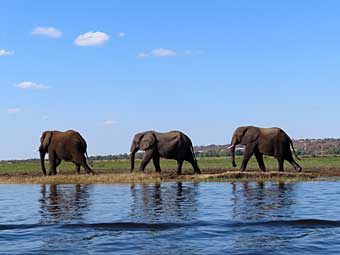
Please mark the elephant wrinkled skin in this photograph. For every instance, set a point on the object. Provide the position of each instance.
(170, 145)
(264, 141)
(68, 146)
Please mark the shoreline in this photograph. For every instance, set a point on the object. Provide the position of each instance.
(168, 176)
(213, 169)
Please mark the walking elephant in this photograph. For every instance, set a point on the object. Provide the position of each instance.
(68, 146)
(170, 145)
(264, 141)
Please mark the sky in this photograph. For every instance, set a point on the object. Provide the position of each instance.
(110, 69)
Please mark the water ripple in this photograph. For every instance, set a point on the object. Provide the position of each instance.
(168, 218)
(129, 226)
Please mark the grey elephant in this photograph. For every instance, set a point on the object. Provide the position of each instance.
(264, 141)
(68, 146)
(170, 145)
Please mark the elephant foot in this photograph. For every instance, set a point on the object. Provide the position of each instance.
(198, 172)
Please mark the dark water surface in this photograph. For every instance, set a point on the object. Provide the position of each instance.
(171, 218)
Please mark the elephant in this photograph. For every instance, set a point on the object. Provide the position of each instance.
(171, 145)
(68, 146)
(264, 141)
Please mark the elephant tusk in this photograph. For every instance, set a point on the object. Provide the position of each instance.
(230, 147)
(36, 150)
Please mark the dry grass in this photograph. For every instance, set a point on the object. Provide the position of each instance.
(167, 176)
(213, 169)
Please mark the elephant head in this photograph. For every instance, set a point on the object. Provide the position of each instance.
(45, 141)
(242, 135)
(141, 141)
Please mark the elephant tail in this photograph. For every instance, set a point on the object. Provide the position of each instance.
(193, 152)
(84, 146)
(87, 156)
(291, 142)
(88, 159)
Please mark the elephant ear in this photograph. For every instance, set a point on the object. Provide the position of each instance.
(46, 139)
(147, 141)
(250, 135)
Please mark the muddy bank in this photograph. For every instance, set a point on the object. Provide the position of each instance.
(107, 176)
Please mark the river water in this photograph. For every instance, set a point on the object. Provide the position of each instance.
(171, 218)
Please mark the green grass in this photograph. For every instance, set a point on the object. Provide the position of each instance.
(204, 164)
(213, 169)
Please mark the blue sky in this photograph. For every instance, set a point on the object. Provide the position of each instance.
(113, 68)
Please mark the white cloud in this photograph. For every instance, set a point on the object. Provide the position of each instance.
(92, 39)
(121, 34)
(48, 31)
(159, 52)
(31, 85)
(110, 122)
(143, 55)
(5, 53)
(13, 110)
(163, 52)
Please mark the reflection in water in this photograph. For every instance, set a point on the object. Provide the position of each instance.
(63, 203)
(168, 218)
(166, 202)
(256, 201)
(261, 202)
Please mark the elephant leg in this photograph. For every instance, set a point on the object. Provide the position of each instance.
(87, 168)
(148, 155)
(179, 166)
(194, 164)
(192, 160)
(77, 168)
(247, 154)
(281, 161)
(81, 160)
(53, 164)
(259, 158)
(291, 160)
(156, 163)
(57, 163)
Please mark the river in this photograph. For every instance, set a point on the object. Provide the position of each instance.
(171, 218)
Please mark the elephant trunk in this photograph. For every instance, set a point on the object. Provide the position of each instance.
(132, 157)
(232, 148)
(233, 155)
(42, 160)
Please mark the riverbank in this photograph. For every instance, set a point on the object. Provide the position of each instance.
(112, 178)
(213, 169)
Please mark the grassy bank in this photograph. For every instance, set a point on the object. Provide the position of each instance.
(213, 169)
